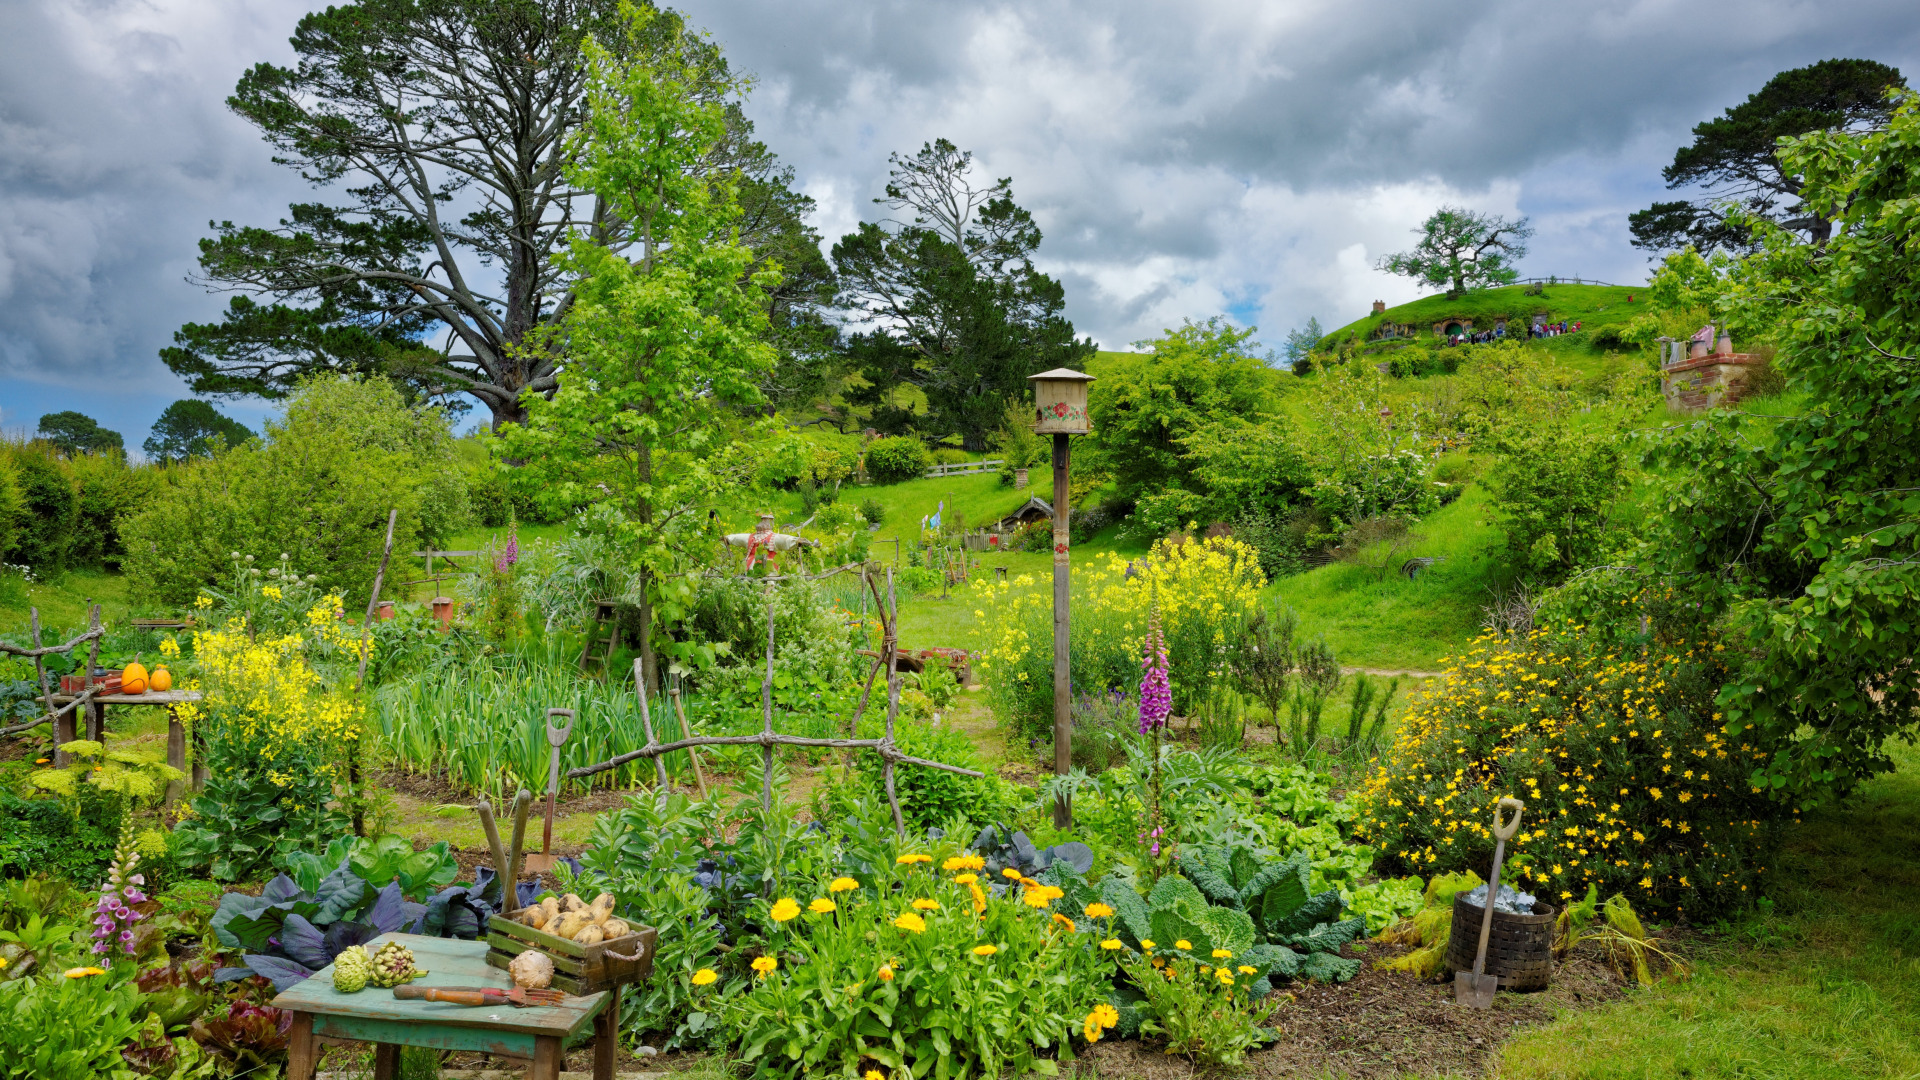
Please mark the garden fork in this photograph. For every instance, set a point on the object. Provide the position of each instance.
(556, 738)
(1476, 987)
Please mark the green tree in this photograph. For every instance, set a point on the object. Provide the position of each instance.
(955, 304)
(1732, 158)
(1462, 249)
(77, 433)
(1301, 343)
(666, 348)
(1799, 536)
(44, 524)
(193, 428)
(1147, 406)
(446, 125)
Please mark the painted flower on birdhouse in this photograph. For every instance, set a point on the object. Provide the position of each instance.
(1059, 408)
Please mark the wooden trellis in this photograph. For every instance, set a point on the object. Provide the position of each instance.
(39, 655)
(767, 739)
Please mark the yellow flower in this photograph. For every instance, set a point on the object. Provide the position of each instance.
(1245, 970)
(885, 973)
(1064, 921)
(1010, 873)
(966, 879)
(923, 904)
(203, 602)
(704, 977)
(979, 898)
(910, 922)
(911, 858)
(1035, 898)
(985, 950)
(1183, 943)
(1222, 954)
(762, 965)
(1107, 1014)
(1099, 911)
(842, 884)
(1091, 1029)
(785, 908)
(1225, 977)
(821, 905)
(82, 972)
(874, 1074)
(1110, 944)
(1147, 944)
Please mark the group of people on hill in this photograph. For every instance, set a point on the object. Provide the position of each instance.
(1499, 332)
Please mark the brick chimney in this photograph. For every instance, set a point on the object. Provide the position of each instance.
(1379, 307)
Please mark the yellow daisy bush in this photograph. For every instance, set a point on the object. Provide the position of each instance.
(1630, 779)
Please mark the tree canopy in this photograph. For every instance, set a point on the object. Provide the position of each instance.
(1462, 249)
(445, 124)
(951, 297)
(77, 433)
(1733, 159)
(193, 428)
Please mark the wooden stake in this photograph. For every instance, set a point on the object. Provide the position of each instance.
(766, 706)
(646, 720)
(360, 683)
(893, 703)
(686, 732)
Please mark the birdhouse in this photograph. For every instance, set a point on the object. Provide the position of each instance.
(1060, 402)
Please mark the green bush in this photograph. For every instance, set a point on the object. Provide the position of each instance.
(1555, 489)
(67, 1029)
(48, 835)
(104, 488)
(318, 488)
(892, 460)
(873, 510)
(42, 536)
(947, 455)
(933, 797)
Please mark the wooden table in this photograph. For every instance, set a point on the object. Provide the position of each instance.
(97, 726)
(537, 1035)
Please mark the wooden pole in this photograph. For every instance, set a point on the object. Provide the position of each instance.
(646, 719)
(1062, 676)
(686, 732)
(766, 707)
(62, 726)
(96, 712)
(366, 632)
(893, 704)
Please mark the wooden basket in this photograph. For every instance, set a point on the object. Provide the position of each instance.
(1519, 949)
(578, 969)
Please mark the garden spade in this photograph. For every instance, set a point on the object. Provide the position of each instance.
(556, 738)
(1476, 987)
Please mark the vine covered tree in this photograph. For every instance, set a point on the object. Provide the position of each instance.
(1462, 249)
(1733, 160)
(951, 297)
(446, 124)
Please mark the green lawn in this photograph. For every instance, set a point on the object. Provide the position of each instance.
(1590, 305)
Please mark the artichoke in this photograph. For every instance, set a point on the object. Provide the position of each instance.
(351, 971)
(393, 965)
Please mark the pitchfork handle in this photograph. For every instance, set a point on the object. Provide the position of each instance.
(451, 997)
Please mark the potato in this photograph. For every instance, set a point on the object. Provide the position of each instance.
(552, 906)
(591, 934)
(535, 916)
(615, 928)
(570, 925)
(601, 907)
(572, 902)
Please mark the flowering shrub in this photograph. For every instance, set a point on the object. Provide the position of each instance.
(1204, 1010)
(1629, 781)
(1206, 591)
(920, 970)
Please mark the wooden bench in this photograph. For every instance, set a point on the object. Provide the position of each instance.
(536, 1036)
(63, 732)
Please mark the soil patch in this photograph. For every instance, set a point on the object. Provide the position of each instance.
(1385, 1024)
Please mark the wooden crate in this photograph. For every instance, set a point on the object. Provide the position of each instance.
(577, 969)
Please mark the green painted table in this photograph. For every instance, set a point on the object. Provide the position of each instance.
(376, 1016)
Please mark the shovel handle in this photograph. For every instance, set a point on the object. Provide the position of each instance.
(450, 996)
(1505, 831)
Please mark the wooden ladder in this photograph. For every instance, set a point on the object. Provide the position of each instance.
(603, 617)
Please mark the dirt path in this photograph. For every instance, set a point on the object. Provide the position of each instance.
(1393, 673)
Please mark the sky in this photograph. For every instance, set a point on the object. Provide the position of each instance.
(1184, 160)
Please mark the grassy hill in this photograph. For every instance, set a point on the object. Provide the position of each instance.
(1592, 305)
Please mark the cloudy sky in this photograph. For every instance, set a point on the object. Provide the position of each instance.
(1185, 159)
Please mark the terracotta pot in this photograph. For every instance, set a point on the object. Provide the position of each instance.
(1697, 350)
(1724, 346)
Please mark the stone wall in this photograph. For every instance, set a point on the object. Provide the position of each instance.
(1705, 382)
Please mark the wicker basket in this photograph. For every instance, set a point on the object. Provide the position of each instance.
(578, 969)
(1519, 950)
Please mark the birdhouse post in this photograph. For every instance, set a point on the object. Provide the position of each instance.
(1060, 410)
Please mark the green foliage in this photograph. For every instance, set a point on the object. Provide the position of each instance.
(934, 797)
(1629, 781)
(873, 510)
(1556, 488)
(1149, 410)
(192, 428)
(377, 861)
(67, 1029)
(41, 537)
(318, 489)
(898, 458)
(1203, 1016)
(252, 813)
(1462, 249)
(74, 839)
(104, 488)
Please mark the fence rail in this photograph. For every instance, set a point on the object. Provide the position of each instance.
(1554, 279)
(965, 468)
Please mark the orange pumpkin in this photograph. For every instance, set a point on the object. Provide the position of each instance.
(133, 679)
(160, 681)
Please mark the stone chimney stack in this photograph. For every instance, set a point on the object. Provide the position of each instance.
(1379, 307)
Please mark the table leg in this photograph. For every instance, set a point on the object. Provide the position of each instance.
(96, 722)
(62, 735)
(547, 1059)
(176, 754)
(606, 1036)
(386, 1061)
(300, 1048)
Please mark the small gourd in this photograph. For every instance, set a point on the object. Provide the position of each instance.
(531, 970)
(160, 681)
(133, 679)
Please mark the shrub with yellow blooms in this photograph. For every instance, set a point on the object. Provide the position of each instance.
(1205, 592)
(1618, 752)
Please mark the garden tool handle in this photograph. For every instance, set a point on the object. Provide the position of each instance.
(1493, 892)
(452, 996)
(1505, 831)
(556, 738)
(522, 809)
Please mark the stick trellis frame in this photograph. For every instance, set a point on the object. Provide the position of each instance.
(767, 739)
